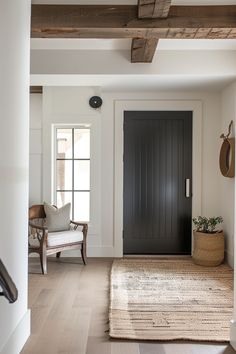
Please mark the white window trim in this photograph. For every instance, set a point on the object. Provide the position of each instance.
(54, 159)
(48, 132)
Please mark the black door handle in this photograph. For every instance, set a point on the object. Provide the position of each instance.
(8, 286)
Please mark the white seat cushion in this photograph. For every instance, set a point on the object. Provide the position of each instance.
(64, 237)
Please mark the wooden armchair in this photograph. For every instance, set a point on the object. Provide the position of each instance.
(46, 243)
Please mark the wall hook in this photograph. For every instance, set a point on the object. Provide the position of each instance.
(223, 136)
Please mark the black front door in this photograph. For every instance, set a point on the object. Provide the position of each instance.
(157, 182)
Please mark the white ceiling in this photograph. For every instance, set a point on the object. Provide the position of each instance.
(125, 44)
(138, 83)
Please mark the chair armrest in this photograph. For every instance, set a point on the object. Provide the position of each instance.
(79, 223)
(84, 224)
(43, 238)
(35, 226)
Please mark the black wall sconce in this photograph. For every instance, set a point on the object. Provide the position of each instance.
(95, 102)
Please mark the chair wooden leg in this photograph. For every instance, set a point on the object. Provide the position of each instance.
(83, 253)
(58, 254)
(43, 261)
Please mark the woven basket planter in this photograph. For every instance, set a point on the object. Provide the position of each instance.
(208, 248)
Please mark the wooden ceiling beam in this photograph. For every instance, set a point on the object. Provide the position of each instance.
(143, 50)
(121, 21)
(36, 89)
(153, 8)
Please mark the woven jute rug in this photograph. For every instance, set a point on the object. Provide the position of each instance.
(170, 299)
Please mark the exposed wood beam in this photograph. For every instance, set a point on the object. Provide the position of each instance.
(153, 8)
(79, 21)
(143, 50)
(36, 89)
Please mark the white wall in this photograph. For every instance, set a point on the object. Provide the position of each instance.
(228, 194)
(94, 62)
(70, 105)
(14, 167)
(228, 113)
(65, 106)
(35, 158)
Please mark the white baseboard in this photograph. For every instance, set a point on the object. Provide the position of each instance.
(103, 251)
(92, 251)
(19, 337)
(233, 333)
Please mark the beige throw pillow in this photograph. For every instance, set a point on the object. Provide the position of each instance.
(57, 219)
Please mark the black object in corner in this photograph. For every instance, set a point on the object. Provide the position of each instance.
(95, 102)
(8, 286)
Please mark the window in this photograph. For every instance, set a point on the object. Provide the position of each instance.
(73, 171)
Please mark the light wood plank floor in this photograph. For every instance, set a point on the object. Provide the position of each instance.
(69, 309)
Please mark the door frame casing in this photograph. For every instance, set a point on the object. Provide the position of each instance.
(154, 105)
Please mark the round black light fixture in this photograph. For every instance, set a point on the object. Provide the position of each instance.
(95, 102)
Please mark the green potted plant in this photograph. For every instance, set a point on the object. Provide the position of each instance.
(208, 241)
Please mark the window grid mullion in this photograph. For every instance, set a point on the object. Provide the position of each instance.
(68, 159)
(73, 190)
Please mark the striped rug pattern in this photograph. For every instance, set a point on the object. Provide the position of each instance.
(170, 299)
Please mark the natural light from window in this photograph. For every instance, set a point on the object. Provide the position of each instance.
(73, 171)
